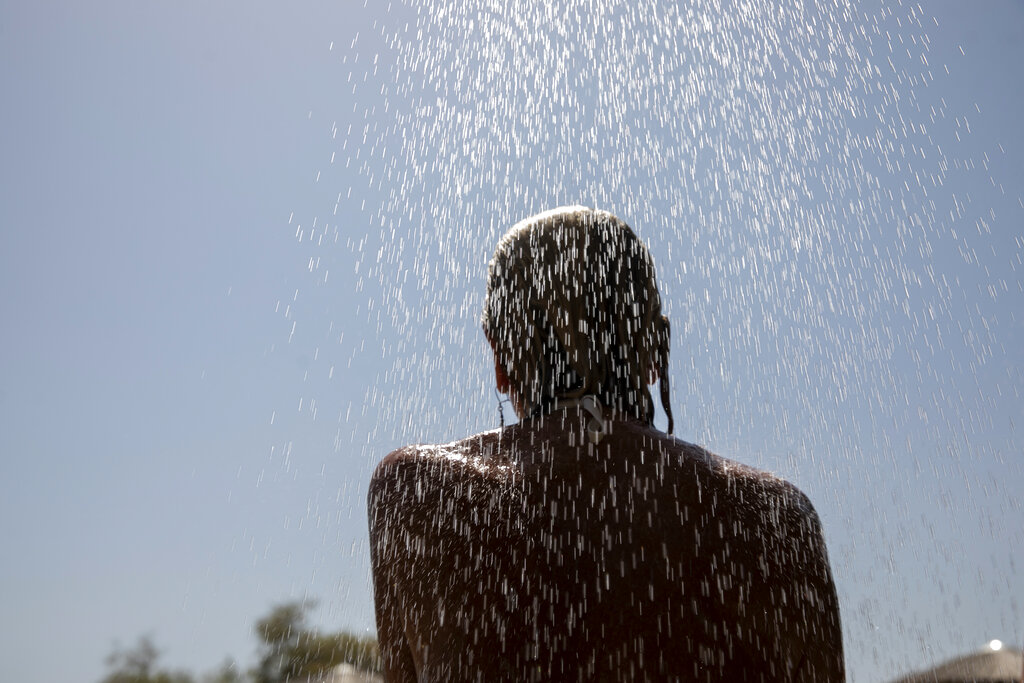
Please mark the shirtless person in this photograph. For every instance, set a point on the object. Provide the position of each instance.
(582, 544)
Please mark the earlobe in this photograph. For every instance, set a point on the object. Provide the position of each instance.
(502, 381)
(500, 376)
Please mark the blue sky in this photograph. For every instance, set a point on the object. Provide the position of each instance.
(243, 254)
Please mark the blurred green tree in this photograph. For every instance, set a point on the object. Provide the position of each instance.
(138, 665)
(291, 651)
(229, 672)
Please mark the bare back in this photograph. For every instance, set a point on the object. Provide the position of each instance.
(531, 554)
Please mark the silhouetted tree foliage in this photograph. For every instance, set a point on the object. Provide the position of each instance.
(138, 665)
(291, 651)
(229, 672)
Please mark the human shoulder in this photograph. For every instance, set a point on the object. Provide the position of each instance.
(402, 462)
(780, 588)
(478, 452)
(752, 483)
(400, 466)
(419, 472)
(753, 487)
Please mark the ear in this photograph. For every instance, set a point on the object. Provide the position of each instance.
(501, 376)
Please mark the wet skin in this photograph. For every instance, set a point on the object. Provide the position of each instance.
(529, 554)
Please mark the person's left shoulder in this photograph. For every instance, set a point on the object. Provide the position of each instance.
(416, 471)
(398, 468)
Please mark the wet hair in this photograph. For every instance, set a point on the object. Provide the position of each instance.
(572, 308)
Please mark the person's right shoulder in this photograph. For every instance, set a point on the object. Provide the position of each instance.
(751, 487)
(787, 598)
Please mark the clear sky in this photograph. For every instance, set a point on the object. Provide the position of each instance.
(243, 251)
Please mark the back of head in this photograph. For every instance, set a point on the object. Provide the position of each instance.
(572, 308)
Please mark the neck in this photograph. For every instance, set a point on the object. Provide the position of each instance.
(611, 408)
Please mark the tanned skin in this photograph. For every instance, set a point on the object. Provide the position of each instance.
(529, 554)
